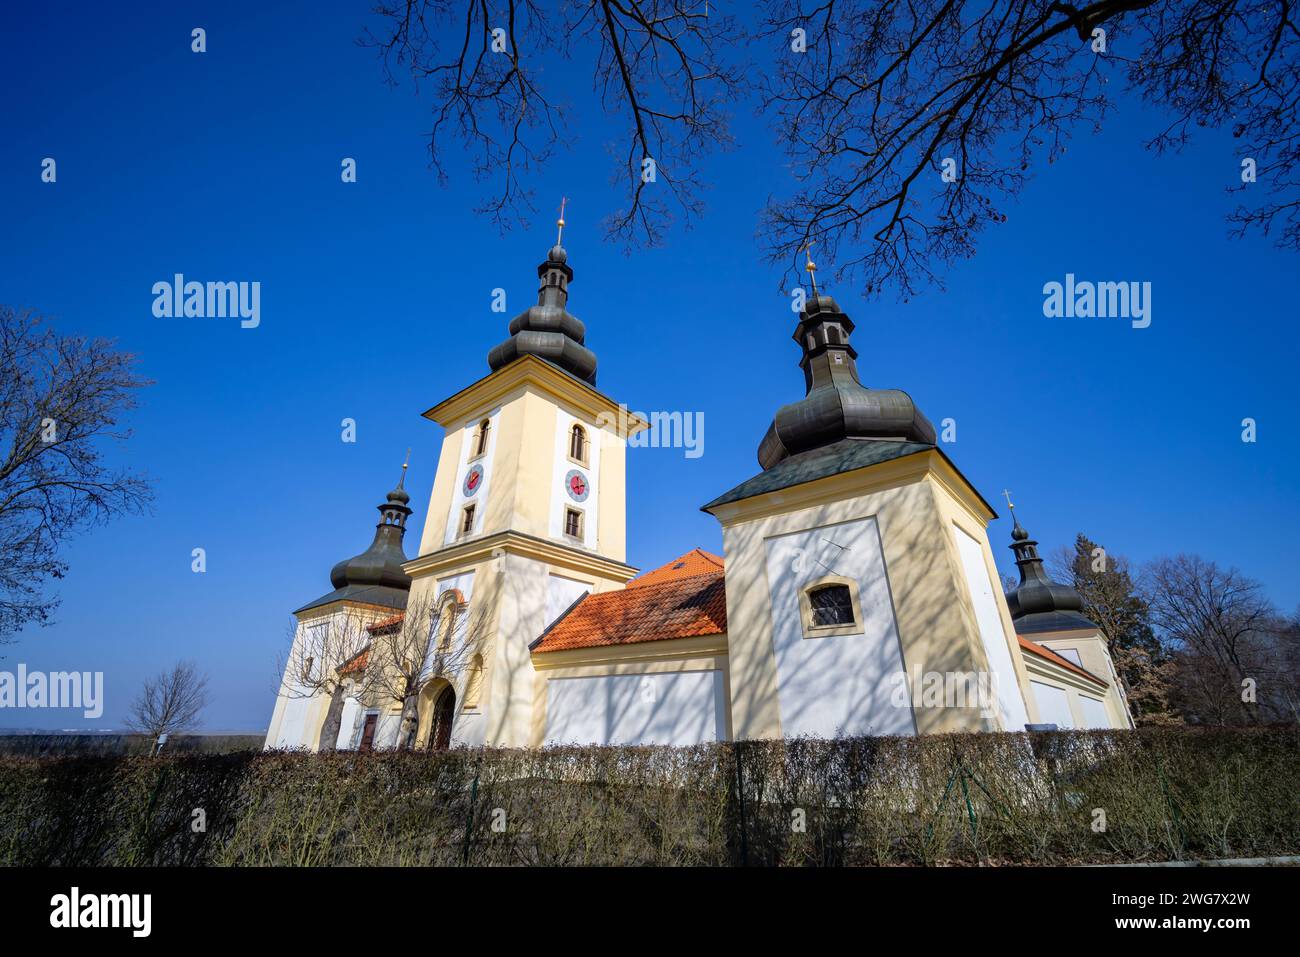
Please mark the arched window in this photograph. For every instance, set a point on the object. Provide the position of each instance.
(482, 438)
(578, 443)
(474, 683)
(833, 335)
(446, 625)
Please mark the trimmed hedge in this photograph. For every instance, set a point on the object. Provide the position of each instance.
(74, 743)
(951, 799)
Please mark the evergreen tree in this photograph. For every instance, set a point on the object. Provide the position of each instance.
(1111, 600)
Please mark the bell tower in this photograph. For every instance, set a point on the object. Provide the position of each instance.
(528, 508)
(858, 569)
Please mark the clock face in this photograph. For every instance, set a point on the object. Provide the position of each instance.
(473, 479)
(575, 483)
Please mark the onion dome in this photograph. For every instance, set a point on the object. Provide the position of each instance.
(548, 330)
(375, 576)
(837, 405)
(1040, 604)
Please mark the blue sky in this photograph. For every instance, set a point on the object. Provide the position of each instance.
(376, 305)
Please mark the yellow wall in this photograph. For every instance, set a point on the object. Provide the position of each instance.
(915, 502)
(1091, 646)
(511, 566)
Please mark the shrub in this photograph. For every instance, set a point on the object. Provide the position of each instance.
(965, 799)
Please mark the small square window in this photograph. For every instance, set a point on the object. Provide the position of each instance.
(467, 520)
(573, 522)
(831, 605)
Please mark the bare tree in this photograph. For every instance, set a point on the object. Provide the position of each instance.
(1226, 633)
(317, 653)
(890, 97)
(657, 67)
(61, 397)
(170, 702)
(433, 640)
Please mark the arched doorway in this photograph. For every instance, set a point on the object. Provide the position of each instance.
(444, 711)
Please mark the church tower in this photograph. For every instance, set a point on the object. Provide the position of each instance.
(527, 512)
(858, 568)
(369, 587)
(1077, 686)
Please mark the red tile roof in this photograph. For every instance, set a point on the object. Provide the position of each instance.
(1042, 651)
(357, 663)
(661, 604)
(385, 623)
(695, 562)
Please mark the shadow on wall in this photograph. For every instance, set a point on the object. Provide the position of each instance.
(926, 612)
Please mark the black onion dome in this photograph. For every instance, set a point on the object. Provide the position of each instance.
(548, 330)
(381, 563)
(375, 576)
(1040, 604)
(837, 405)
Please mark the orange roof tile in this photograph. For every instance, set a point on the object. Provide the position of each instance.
(385, 623)
(695, 562)
(663, 604)
(1044, 652)
(356, 663)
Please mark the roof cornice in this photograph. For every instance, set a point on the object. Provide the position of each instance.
(528, 370)
(530, 546)
(657, 649)
(871, 478)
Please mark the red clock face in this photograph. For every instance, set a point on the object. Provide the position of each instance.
(473, 479)
(575, 483)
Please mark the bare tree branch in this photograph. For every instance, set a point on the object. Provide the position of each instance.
(657, 66)
(61, 398)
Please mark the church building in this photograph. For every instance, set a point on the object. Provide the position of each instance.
(857, 593)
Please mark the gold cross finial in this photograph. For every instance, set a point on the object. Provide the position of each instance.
(560, 222)
(1007, 495)
(811, 266)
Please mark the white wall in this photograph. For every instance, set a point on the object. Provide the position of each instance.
(841, 684)
(564, 422)
(996, 645)
(348, 724)
(1093, 712)
(1053, 705)
(677, 708)
(293, 724)
(561, 592)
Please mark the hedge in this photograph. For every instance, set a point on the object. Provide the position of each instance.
(54, 743)
(1052, 798)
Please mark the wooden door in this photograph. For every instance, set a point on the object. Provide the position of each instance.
(368, 733)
